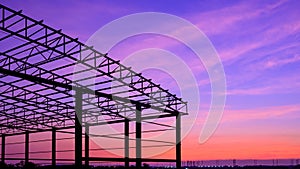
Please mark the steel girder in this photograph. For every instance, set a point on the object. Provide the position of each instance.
(37, 77)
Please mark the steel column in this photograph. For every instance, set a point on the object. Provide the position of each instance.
(78, 129)
(26, 147)
(126, 143)
(53, 147)
(87, 145)
(138, 136)
(3, 149)
(178, 141)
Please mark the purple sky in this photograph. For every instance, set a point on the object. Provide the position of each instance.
(258, 43)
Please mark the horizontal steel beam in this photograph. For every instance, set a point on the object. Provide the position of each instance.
(85, 90)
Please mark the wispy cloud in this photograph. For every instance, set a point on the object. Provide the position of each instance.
(256, 41)
(279, 62)
(226, 19)
(266, 85)
(261, 113)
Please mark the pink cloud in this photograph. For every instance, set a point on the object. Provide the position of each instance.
(279, 62)
(261, 113)
(226, 19)
(222, 21)
(251, 91)
(265, 38)
(269, 86)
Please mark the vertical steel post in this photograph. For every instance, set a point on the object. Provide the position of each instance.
(26, 148)
(87, 145)
(53, 147)
(138, 136)
(178, 141)
(126, 143)
(3, 149)
(78, 129)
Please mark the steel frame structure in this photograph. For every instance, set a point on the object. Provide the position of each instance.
(50, 81)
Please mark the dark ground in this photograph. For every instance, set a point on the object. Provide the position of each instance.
(34, 166)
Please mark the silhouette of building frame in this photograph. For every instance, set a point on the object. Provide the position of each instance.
(37, 93)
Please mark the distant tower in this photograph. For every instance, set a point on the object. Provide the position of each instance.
(234, 162)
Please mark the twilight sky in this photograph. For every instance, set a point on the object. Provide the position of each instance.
(258, 43)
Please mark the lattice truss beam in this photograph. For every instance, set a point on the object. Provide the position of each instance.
(40, 67)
